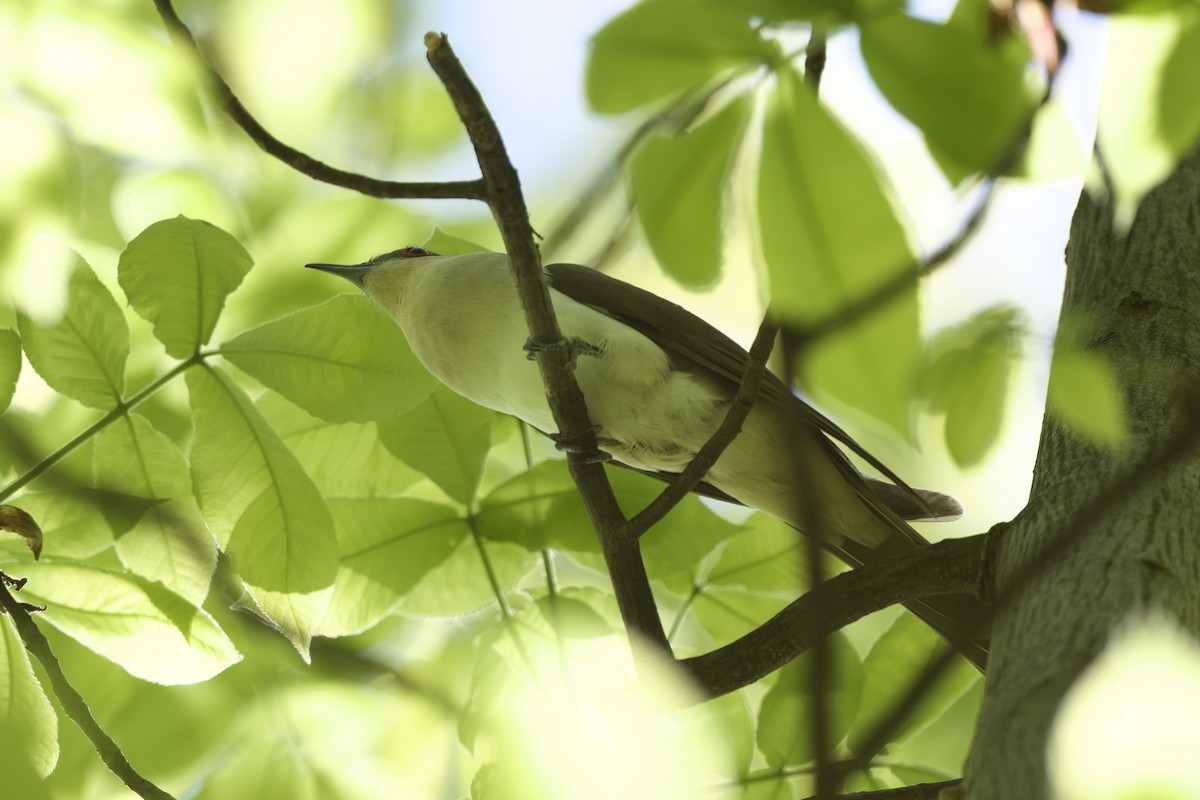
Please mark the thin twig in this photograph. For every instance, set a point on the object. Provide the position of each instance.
(73, 703)
(503, 193)
(297, 160)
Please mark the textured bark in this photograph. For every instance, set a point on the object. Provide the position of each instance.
(1143, 291)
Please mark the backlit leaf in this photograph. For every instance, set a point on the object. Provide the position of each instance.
(177, 274)
(25, 712)
(657, 48)
(678, 185)
(264, 510)
(10, 365)
(83, 354)
(152, 632)
(830, 236)
(342, 361)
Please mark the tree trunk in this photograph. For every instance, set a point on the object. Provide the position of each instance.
(1143, 292)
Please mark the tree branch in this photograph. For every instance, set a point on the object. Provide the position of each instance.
(75, 706)
(922, 791)
(953, 566)
(622, 554)
(302, 162)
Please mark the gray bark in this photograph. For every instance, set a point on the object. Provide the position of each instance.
(1143, 290)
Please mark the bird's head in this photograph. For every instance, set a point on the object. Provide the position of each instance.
(358, 273)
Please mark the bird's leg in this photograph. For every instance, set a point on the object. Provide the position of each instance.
(591, 455)
(574, 346)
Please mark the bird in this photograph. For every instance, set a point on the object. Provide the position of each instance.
(657, 381)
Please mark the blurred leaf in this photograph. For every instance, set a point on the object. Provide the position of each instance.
(1178, 113)
(785, 718)
(388, 545)
(76, 523)
(573, 617)
(829, 236)
(768, 556)
(152, 632)
(177, 274)
(26, 763)
(726, 614)
(658, 48)
(19, 521)
(678, 185)
(83, 355)
(826, 13)
(964, 91)
(169, 541)
(1085, 394)
(10, 365)
(342, 361)
(25, 712)
(900, 654)
(460, 584)
(541, 507)
(264, 510)
(1148, 119)
(538, 508)
(1055, 151)
(447, 244)
(967, 370)
(401, 114)
(446, 438)
(345, 459)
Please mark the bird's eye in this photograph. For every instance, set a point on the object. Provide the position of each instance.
(410, 252)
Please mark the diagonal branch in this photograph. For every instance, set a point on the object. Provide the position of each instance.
(953, 566)
(302, 162)
(72, 702)
(622, 554)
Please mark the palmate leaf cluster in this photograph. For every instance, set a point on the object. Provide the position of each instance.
(432, 561)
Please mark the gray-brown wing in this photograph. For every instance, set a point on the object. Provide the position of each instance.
(685, 336)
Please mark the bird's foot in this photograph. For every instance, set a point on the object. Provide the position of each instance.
(574, 346)
(588, 454)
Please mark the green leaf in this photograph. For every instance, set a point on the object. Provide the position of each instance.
(726, 614)
(538, 508)
(169, 542)
(25, 711)
(447, 438)
(78, 523)
(264, 510)
(388, 545)
(447, 244)
(153, 633)
(542, 508)
(342, 361)
(1178, 112)
(830, 236)
(966, 378)
(1148, 118)
(343, 459)
(460, 584)
(766, 557)
(658, 48)
(82, 355)
(966, 92)
(785, 719)
(1086, 395)
(900, 654)
(24, 767)
(177, 274)
(678, 184)
(826, 13)
(10, 365)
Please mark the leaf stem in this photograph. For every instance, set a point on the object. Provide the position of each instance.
(112, 416)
